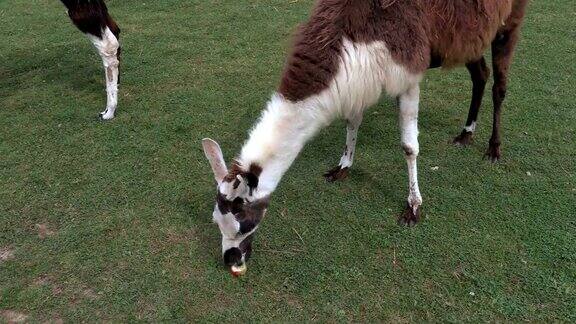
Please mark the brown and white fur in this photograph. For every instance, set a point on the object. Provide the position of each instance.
(343, 59)
(92, 18)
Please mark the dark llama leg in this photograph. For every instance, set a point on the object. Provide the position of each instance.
(479, 72)
(502, 52)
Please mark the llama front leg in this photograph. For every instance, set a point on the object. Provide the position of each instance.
(341, 171)
(108, 48)
(409, 140)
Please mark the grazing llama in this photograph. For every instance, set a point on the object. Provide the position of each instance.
(92, 18)
(344, 57)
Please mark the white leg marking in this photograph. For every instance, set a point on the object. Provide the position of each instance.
(108, 49)
(471, 128)
(351, 135)
(409, 130)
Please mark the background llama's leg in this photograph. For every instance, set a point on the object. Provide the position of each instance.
(108, 47)
(341, 171)
(92, 18)
(409, 139)
(479, 73)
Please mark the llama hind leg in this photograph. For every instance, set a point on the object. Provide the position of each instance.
(108, 47)
(502, 52)
(409, 102)
(341, 171)
(479, 73)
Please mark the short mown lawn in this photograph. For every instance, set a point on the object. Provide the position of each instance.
(112, 221)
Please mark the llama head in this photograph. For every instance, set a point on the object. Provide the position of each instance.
(237, 210)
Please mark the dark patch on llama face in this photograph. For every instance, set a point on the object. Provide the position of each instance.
(246, 247)
(229, 206)
(441, 32)
(232, 257)
(248, 214)
(252, 214)
(251, 176)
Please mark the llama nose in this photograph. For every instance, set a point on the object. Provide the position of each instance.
(238, 270)
(233, 256)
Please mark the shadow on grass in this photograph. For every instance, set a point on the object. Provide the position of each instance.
(63, 65)
(199, 218)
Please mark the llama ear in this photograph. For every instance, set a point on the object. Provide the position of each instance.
(214, 155)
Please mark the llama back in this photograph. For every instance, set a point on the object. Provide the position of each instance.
(461, 30)
(451, 32)
(416, 33)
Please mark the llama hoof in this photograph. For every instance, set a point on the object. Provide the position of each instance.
(409, 217)
(492, 154)
(106, 115)
(337, 173)
(463, 140)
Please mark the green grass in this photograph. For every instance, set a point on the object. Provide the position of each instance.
(127, 203)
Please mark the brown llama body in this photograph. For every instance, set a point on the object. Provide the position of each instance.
(419, 34)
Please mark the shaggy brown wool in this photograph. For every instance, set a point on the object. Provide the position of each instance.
(418, 33)
(91, 17)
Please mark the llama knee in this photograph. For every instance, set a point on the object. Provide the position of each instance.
(110, 52)
(411, 149)
(499, 90)
(108, 47)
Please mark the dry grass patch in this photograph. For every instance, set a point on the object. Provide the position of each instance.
(6, 253)
(44, 231)
(11, 316)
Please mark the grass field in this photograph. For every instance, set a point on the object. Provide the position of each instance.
(112, 221)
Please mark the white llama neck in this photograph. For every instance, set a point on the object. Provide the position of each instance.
(278, 137)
